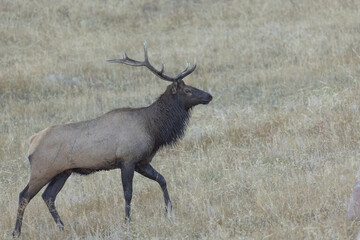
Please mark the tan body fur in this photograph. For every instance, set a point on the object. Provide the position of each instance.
(99, 144)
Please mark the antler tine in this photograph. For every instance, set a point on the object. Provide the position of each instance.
(163, 68)
(187, 66)
(146, 63)
(186, 71)
(127, 60)
(146, 55)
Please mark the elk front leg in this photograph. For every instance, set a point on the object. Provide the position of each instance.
(148, 171)
(127, 174)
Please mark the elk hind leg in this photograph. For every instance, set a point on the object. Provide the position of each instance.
(50, 193)
(25, 197)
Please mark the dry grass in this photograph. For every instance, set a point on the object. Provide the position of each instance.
(274, 156)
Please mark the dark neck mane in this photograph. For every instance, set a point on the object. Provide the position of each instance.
(167, 120)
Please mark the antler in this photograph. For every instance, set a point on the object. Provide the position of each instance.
(146, 63)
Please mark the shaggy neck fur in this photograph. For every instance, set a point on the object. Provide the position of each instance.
(168, 119)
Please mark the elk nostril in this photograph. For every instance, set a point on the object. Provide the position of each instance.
(210, 97)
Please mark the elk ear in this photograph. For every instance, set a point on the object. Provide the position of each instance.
(173, 88)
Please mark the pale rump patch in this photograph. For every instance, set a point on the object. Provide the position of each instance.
(34, 140)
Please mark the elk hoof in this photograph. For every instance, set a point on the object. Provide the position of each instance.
(127, 220)
(16, 234)
(60, 226)
(168, 209)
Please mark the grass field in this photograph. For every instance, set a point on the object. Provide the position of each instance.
(274, 156)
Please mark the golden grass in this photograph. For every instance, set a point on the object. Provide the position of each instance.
(274, 156)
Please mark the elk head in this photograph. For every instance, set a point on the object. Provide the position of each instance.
(188, 95)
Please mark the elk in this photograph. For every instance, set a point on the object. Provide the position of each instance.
(125, 138)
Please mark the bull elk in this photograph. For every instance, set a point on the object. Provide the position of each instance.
(125, 138)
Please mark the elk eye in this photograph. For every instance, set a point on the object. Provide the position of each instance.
(187, 91)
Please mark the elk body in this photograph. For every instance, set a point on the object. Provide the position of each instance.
(125, 138)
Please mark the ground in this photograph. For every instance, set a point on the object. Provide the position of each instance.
(274, 156)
